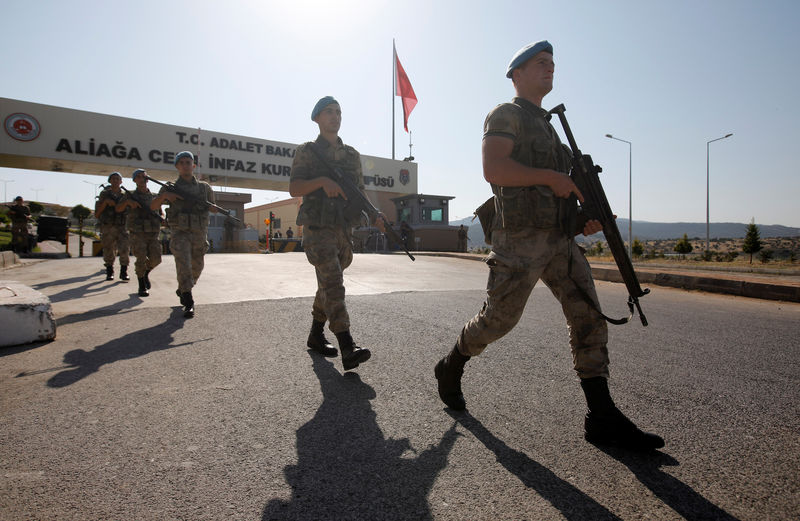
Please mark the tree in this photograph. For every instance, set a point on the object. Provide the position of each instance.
(765, 256)
(683, 246)
(637, 248)
(752, 240)
(80, 212)
(35, 207)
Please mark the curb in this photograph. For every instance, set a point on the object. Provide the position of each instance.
(736, 287)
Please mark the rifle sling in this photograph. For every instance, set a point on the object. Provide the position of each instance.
(591, 302)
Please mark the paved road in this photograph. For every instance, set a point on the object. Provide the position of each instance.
(135, 413)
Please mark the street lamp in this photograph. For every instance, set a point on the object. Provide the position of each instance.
(96, 186)
(707, 192)
(5, 188)
(630, 193)
(37, 190)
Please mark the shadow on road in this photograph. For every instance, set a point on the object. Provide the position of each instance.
(673, 492)
(80, 363)
(571, 502)
(347, 470)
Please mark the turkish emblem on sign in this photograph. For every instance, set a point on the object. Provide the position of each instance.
(22, 127)
(405, 177)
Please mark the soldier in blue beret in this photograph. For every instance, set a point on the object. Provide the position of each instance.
(188, 224)
(327, 222)
(528, 170)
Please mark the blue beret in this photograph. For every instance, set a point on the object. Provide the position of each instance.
(321, 104)
(181, 155)
(112, 174)
(526, 53)
(137, 172)
(18, 198)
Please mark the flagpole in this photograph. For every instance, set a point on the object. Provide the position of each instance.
(394, 83)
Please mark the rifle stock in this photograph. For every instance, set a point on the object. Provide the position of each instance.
(585, 176)
(357, 196)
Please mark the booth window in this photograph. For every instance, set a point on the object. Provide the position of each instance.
(435, 215)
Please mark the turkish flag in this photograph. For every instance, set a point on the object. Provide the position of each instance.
(404, 89)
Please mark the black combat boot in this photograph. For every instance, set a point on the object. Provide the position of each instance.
(147, 279)
(109, 272)
(317, 340)
(123, 274)
(448, 373)
(352, 355)
(143, 288)
(188, 304)
(606, 425)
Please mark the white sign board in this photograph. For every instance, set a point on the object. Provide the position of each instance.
(44, 137)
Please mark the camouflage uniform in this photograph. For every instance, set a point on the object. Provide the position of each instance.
(113, 235)
(19, 227)
(327, 232)
(529, 242)
(188, 222)
(143, 224)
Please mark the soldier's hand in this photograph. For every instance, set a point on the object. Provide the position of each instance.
(591, 227)
(563, 186)
(332, 188)
(379, 222)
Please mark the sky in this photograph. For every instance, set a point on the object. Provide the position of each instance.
(666, 76)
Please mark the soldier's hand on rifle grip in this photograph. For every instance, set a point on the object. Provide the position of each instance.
(380, 222)
(563, 186)
(332, 188)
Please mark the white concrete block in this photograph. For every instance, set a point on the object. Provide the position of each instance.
(25, 315)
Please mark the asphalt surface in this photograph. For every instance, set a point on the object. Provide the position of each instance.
(133, 412)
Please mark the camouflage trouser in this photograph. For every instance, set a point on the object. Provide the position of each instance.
(329, 250)
(147, 250)
(115, 238)
(188, 246)
(518, 260)
(19, 237)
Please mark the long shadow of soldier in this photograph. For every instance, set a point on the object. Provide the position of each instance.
(61, 282)
(570, 501)
(676, 494)
(84, 290)
(347, 470)
(80, 363)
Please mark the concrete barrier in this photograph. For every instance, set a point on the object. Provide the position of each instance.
(25, 315)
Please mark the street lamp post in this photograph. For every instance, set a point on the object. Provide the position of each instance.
(37, 190)
(5, 188)
(630, 193)
(95, 185)
(708, 220)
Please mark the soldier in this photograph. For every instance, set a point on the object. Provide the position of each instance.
(188, 222)
(462, 239)
(113, 235)
(527, 167)
(143, 224)
(327, 222)
(20, 217)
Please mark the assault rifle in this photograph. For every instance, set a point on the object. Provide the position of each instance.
(595, 205)
(357, 197)
(194, 198)
(132, 194)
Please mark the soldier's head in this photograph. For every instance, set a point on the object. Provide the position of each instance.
(184, 163)
(328, 115)
(18, 200)
(531, 70)
(139, 177)
(115, 180)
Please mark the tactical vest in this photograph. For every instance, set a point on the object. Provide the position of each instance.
(537, 146)
(186, 213)
(142, 220)
(320, 210)
(110, 216)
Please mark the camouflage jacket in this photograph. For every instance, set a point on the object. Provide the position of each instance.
(318, 209)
